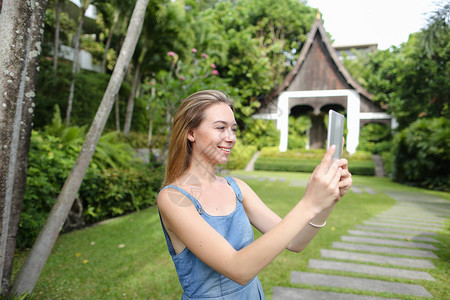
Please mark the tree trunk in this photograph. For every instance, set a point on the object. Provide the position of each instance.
(26, 96)
(75, 67)
(117, 112)
(14, 23)
(28, 275)
(130, 104)
(108, 41)
(57, 30)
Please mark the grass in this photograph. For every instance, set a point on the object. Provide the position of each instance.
(127, 258)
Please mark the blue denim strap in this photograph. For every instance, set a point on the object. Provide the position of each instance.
(236, 188)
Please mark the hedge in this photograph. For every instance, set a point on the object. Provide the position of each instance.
(289, 164)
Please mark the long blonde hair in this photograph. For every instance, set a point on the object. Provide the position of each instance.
(188, 117)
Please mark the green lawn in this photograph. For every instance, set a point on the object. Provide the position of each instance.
(127, 258)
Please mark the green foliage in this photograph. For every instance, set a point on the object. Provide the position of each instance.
(260, 133)
(303, 160)
(375, 138)
(262, 39)
(240, 156)
(308, 165)
(122, 185)
(298, 127)
(388, 160)
(421, 154)
(114, 192)
(53, 89)
(413, 80)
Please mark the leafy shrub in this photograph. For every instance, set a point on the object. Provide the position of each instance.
(421, 155)
(114, 192)
(375, 138)
(308, 165)
(303, 160)
(388, 160)
(240, 156)
(261, 133)
(128, 186)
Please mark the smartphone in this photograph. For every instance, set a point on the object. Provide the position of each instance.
(335, 132)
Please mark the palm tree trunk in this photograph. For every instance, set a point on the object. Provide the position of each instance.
(28, 275)
(130, 104)
(108, 41)
(14, 24)
(75, 67)
(117, 113)
(57, 29)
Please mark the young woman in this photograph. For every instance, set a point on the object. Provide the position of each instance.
(207, 219)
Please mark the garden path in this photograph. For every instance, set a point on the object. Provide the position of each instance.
(396, 244)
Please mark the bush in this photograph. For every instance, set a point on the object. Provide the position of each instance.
(375, 138)
(421, 155)
(104, 193)
(240, 156)
(308, 165)
(387, 159)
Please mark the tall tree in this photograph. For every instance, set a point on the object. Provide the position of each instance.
(14, 23)
(27, 277)
(26, 96)
(76, 54)
(59, 4)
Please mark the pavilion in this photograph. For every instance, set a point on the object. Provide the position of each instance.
(317, 83)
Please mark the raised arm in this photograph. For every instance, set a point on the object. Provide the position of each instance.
(264, 219)
(182, 220)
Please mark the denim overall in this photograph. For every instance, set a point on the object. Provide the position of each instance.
(198, 280)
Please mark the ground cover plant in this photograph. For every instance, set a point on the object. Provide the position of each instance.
(127, 257)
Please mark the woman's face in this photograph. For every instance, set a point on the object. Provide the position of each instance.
(213, 140)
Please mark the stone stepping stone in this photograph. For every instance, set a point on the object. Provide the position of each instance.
(356, 190)
(272, 179)
(282, 179)
(285, 293)
(399, 230)
(379, 259)
(262, 179)
(398, 217)
(426, 228)
(361, 284)
(393, 236)
(416, 222)
(376, 241)
(298, 182)
(370, 190)
(368, 269)
(381, 249)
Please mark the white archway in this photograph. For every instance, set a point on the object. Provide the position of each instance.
(353, 114)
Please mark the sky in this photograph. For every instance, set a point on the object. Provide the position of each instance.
(385, 22)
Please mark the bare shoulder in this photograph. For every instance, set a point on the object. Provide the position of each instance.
(171, 198)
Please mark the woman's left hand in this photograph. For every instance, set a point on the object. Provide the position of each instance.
(346, 178)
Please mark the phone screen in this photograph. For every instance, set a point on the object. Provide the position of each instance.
(335, 132)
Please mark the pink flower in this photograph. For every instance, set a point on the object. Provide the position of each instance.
(213, 66)
(171, 53)
(182, 78)
(204, 55)
(215, 72)
(194, 50)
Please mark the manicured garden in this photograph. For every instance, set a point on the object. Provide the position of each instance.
(127, 257)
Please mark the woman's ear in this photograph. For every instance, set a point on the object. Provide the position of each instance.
(191, 137)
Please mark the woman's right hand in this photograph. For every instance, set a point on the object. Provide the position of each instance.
(322, 190)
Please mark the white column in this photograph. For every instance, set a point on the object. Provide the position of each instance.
(353, 109)
(283, 120)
